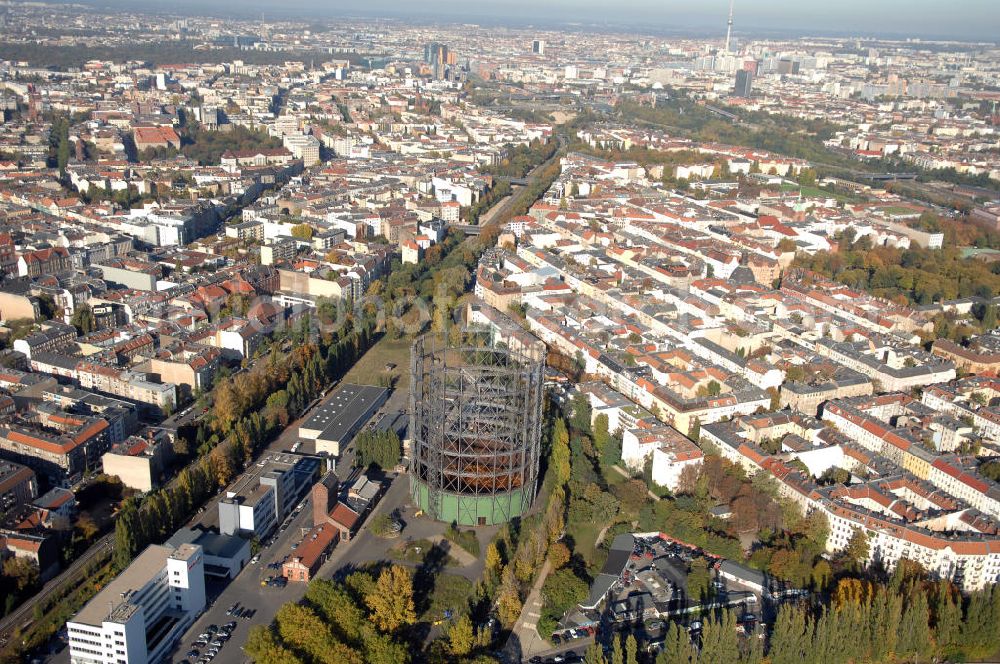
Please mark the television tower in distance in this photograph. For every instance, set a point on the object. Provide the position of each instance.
(729, 25)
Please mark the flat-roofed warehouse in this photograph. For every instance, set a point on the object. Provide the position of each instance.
(335, 421)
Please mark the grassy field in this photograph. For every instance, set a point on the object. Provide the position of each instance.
(826, 193)
(585, 540)
(898, 210)
(451, 592)
(370, 369)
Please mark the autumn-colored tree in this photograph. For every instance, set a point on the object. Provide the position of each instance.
(851, 591)
(559, 555)
(23, 572)
(228, 406)
(302, 231)
(508, 599)
(493, 563)
(856, 552)
(391, 600)
(461, 637)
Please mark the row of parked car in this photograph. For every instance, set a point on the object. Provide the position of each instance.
(567, 635)
(568, 657)
(237, 611)
(209, 643)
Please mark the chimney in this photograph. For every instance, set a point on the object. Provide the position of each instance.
(324, 497)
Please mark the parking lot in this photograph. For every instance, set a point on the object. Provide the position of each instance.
(246, 590)
(257, 603)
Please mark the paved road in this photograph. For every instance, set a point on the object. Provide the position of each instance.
(524, 639)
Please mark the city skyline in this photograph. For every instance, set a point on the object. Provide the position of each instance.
(968, 20)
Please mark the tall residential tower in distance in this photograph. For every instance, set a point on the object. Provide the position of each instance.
(538, 46)
(744, 83)
(729, 26)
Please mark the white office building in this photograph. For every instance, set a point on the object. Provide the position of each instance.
(140, 616)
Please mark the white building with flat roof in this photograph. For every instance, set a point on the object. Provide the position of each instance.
(142, 614)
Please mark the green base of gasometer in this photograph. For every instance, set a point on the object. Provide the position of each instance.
(469, 510)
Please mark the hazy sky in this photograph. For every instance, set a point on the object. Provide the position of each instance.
(960, 19)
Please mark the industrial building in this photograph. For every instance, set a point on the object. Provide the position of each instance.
(256, 502)
(142, 614)
(334, 422)
(225, 555)
(312, 553)
(475, 428)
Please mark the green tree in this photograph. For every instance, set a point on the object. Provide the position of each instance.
(913, 637)
(719, 642)
(602, 437)
(947, 619)
(617, 651)
(631, 649)
(83, 319)
(594, 655)
(264, 647)
(694, 433)
(130, 533)
(336, 606)
(305, 632)
(381, 448)
(699, 580)
(381, 649)
(562, 590)
(581, 413)
(677, 647)
(791, 641)
(560, 452)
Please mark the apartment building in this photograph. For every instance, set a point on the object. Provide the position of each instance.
(18, 486)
